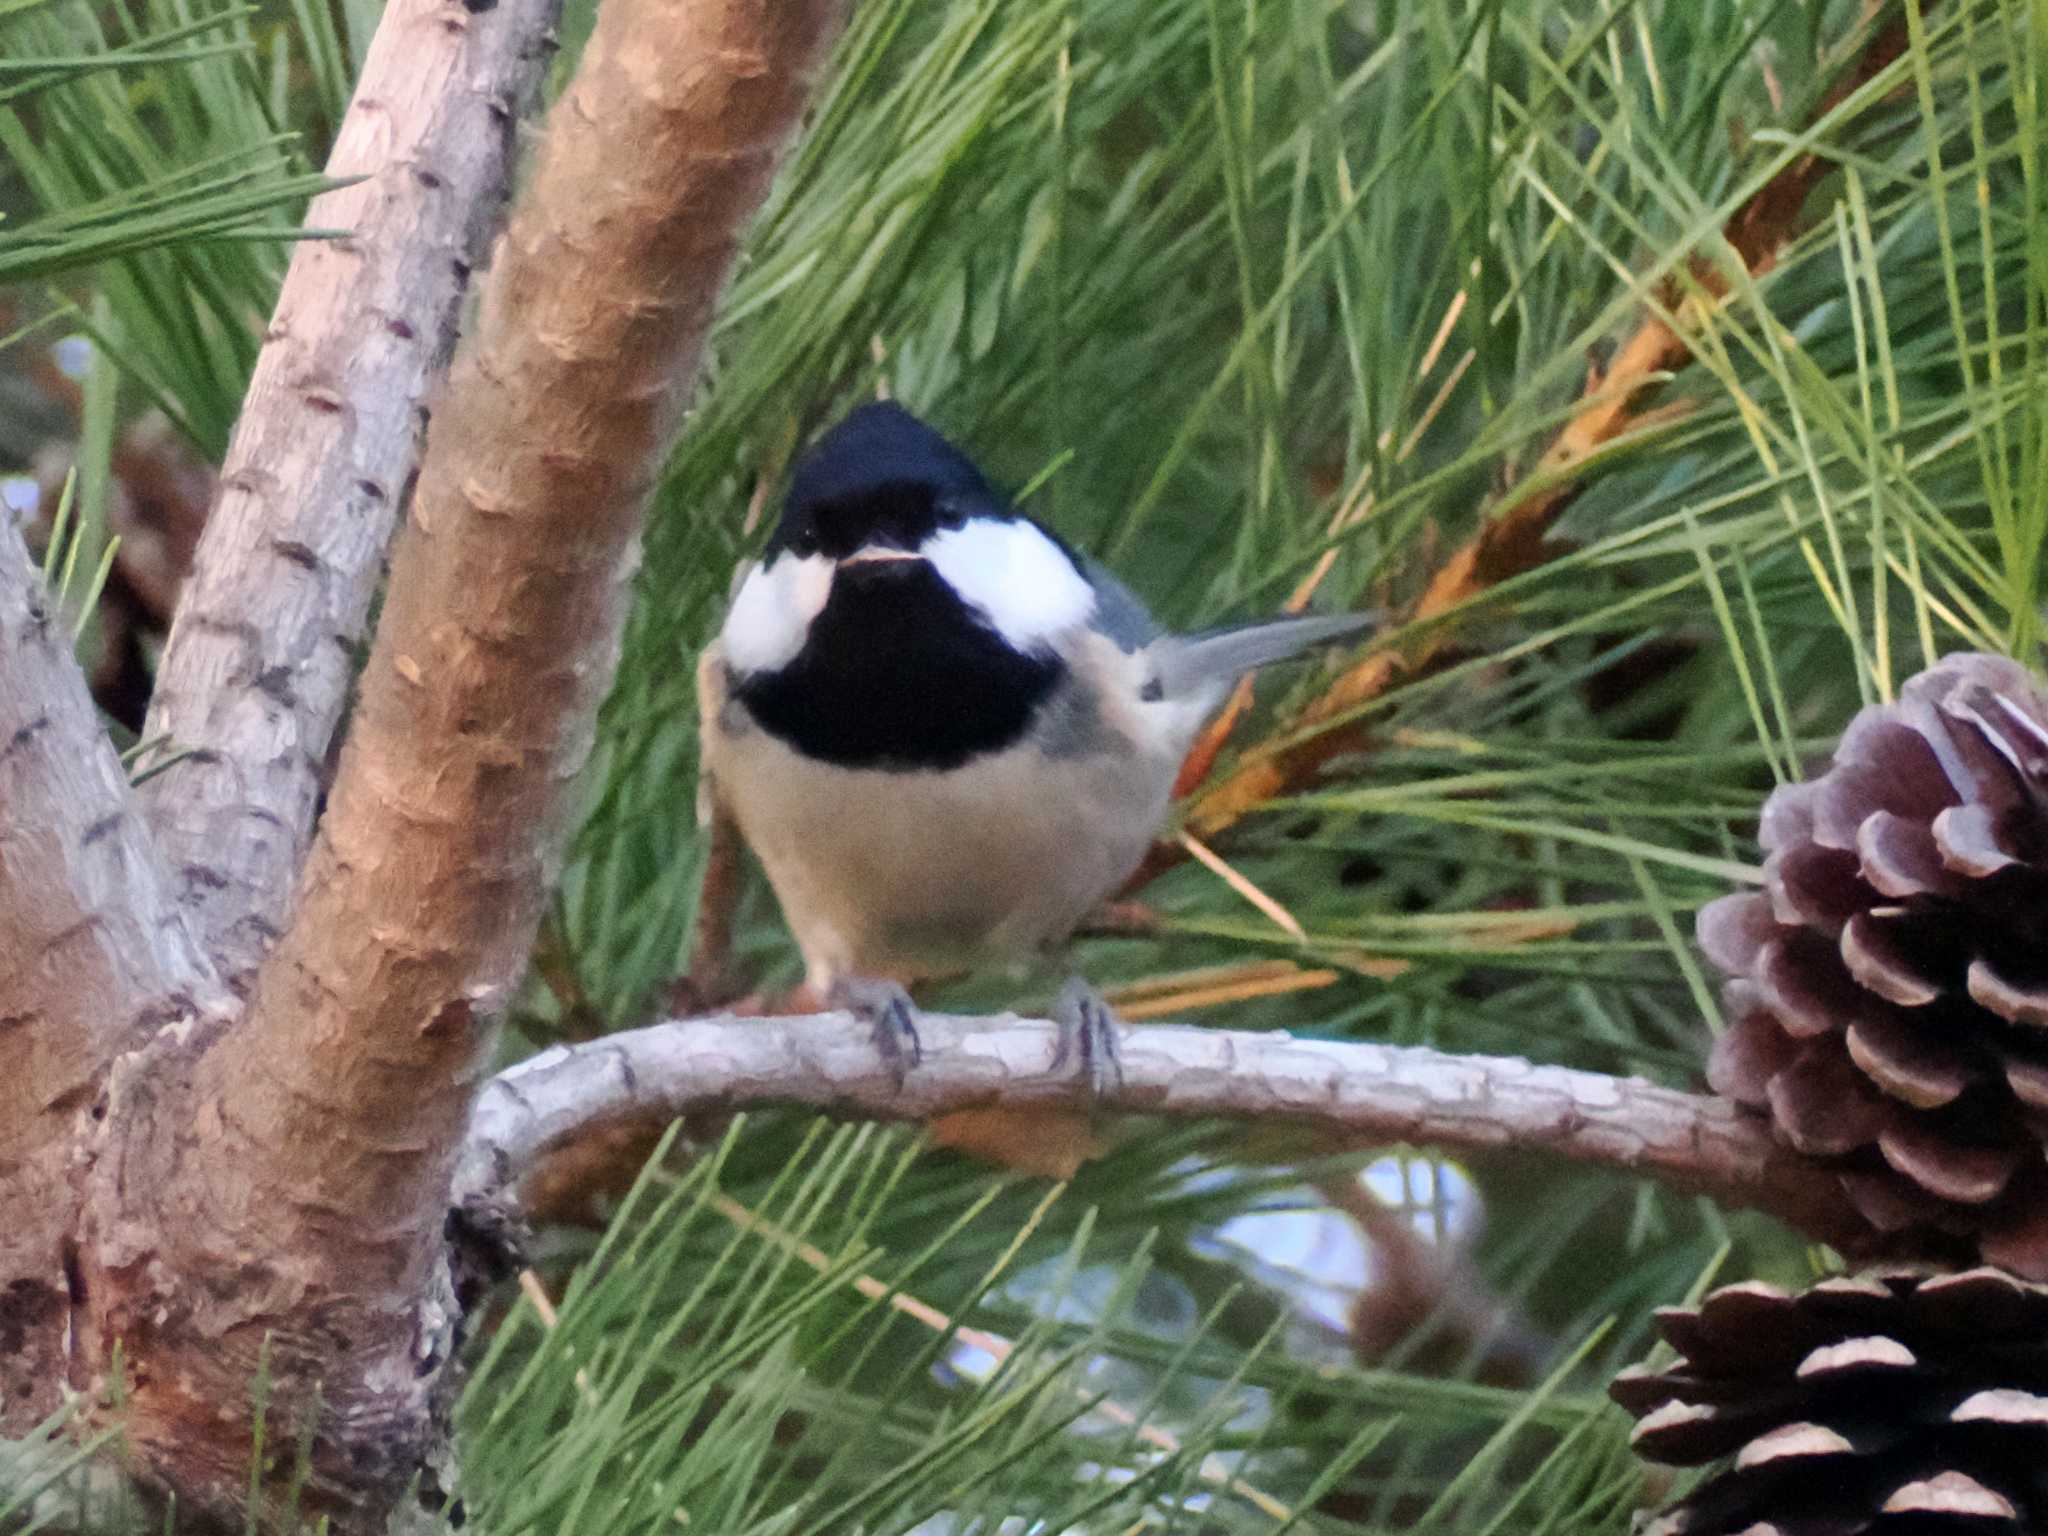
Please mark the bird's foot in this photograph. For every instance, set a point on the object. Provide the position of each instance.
(1088, 1030)
(891, 1017)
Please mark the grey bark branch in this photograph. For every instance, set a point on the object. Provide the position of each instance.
(258, 663)
(1372, 1092)
(93, 953)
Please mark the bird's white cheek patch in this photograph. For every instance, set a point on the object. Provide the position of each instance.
(771, 613)
(1013, 573)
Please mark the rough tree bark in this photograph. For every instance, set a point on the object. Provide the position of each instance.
(273, 1182)
(93, 957)
(257, 666)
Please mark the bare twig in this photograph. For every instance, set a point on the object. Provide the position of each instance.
(313, 1145)
(258, 662)
(93, 954)
(1377, 1092)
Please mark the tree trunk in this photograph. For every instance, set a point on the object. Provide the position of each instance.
(262, 1188)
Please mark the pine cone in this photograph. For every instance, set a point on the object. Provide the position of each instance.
(1890, 1006)
(1888, 1404)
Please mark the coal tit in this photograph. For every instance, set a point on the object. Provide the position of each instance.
(945, 734)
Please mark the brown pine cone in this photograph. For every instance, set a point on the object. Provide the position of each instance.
(1891, 1404)
(1890, 1003)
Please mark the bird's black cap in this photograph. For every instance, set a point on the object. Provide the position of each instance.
(880, 475)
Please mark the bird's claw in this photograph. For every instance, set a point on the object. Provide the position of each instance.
(891, 1017)
(1088, 1030)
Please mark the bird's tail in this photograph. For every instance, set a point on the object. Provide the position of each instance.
(1191, 666)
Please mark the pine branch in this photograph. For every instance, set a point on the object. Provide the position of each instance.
(1364, 1092)
(312, 1145)
(93, 954)
(1512, 536)
(253, 678)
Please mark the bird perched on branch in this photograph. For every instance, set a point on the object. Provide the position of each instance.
(946, 735)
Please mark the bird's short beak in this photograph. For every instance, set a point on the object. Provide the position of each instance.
(875, 553)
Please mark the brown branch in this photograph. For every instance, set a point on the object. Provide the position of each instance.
(1512, 538)
(710, 980)
(93, 956)
(254, 675)
(308, 1153)
(1370, 1092)
(1426, 1301)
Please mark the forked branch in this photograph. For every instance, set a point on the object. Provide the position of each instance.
(308, 1150)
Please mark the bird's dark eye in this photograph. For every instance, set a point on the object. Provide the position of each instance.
(1153, 691)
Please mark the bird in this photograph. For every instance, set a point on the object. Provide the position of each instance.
(945, 734)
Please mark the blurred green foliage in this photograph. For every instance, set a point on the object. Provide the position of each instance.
(1204, 273)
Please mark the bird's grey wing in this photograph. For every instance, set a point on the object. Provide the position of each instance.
(1118, 613)
(1188, 665)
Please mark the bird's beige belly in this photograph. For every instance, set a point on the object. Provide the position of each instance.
(920, 874)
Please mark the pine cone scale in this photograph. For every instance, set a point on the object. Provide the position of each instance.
(1950, 1493)
(1817, 886)
(2029, 1083)
(1900, 858)
(1750, 1051)
(1965, 1175)
(1966, 837)
(1732, 929)
(1908, 1064)
(1803, 986)
(1872, 951)
(1824, 1107)
(2008, 999)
